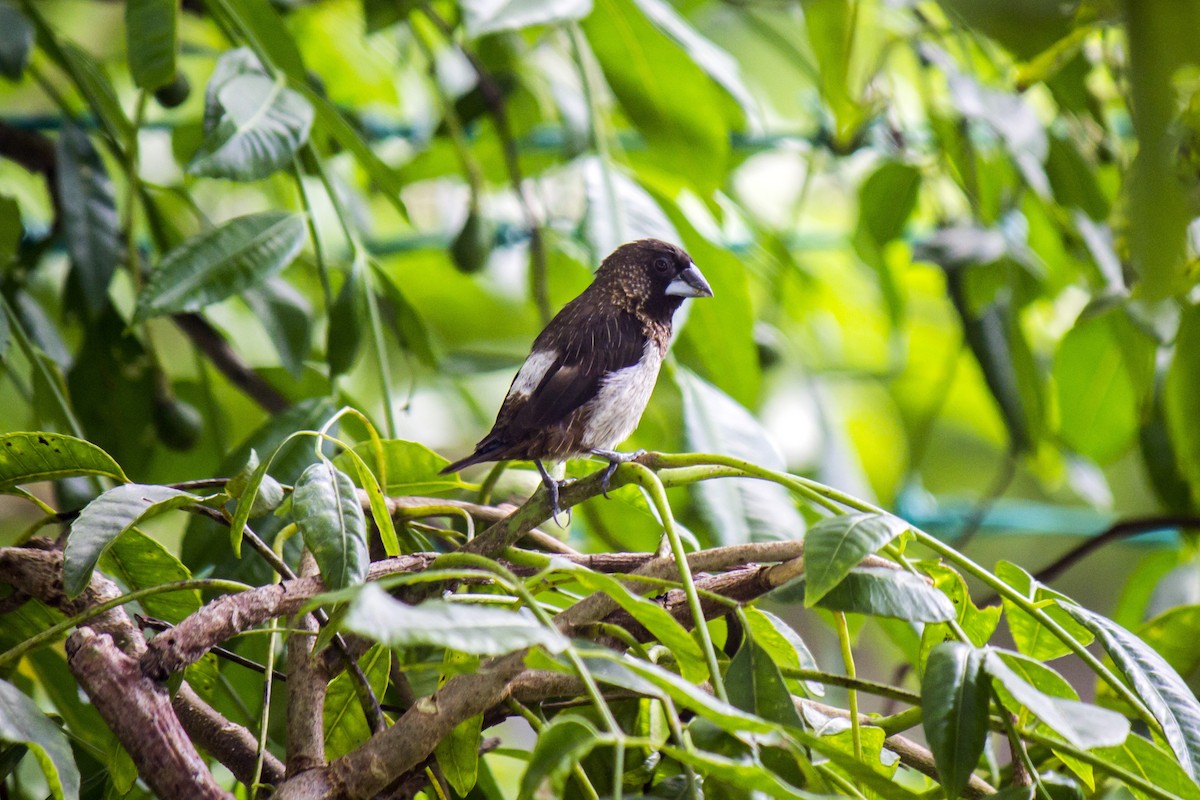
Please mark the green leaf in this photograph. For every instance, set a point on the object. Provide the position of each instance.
(978, 623)
(740, 773)
(1031, 637)
(656, 619)
(254, 125)
(106, 518)
(955, 695)
(1104, 373)
(286, 316)
(888, 593)
(89, 217)
(739, 510)
(783, 644)
(670, 99)
(404, 319)
(1181, 398)
(458, 752)
(886, 200)
(1083, 725)
(728, 717)
(1141, 757)
(16, 41)
(836, 545)
(151, 41)
(221, 262)
(347, 322)
(40, 456)
(409, 468)
(327, 511)
(345, 724)
(560, 746)
(139, 562)
(755, 685)
(480, 630)
(256, 492)
(22, 722)
(482, 17)
(1169, 699)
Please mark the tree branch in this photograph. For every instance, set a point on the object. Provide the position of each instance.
(140, 713)
(306, 689)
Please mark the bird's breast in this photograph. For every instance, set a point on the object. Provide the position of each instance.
(617, 408)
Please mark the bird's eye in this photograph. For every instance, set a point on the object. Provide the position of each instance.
(662, 265)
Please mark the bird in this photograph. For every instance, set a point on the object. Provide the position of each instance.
(590, 372)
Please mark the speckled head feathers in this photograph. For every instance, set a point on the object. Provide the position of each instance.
(650, 275)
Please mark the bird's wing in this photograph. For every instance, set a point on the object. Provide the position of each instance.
(582, 358)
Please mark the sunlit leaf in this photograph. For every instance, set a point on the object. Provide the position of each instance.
(1082, 725)
(222, 262)
(106, 518)
(481, 630)
(782, 643)
(1141, 757)
(345, 724)
(254, 124)
(955, 695)
(330, 517)
(41, 456)
(22, 722)
(490, 16)
(836, 545)
(1169, 699)
(1181, 399)
(888, 593)
(738, 509)
(1032, 638)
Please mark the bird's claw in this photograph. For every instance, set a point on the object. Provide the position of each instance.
(615, 460)
(552, 488)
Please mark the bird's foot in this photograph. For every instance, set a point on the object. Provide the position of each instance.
(553, 487)
(615, 460)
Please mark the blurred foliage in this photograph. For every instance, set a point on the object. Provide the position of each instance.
(951, 244)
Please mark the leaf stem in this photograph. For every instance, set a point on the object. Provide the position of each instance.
(843, 633)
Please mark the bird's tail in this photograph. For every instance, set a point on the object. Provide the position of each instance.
(485, 452)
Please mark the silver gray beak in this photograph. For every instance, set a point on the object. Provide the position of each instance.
(690, 283)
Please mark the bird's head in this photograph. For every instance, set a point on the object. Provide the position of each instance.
(653, 275)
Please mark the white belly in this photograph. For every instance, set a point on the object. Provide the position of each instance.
(618, 406)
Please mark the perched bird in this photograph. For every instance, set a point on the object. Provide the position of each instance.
(586, 382)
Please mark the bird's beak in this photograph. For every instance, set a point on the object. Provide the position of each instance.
(690, 283)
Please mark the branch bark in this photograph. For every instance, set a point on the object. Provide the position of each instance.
(306, 687)
(139, 712)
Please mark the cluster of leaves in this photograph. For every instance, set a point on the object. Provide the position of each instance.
(968, 235)
(664, 712)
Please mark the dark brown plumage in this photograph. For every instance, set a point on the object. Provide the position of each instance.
(589, 375)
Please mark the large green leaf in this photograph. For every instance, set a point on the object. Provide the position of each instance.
(222, 262)
(1141, 757)
(150, 37)
(480, 630)
(1169, 699)
(886, 200)
(670, 99)
(89, 217)
(755, 685)
(656, 619)
(347, 321)
(22, 722)
(139, 562)
(739, 510)
(40, 456)
(560, 746)
(330, 517)
(836, 545)
(1104, 373)
(782, 643)
(1181, 398)
(955, 695)
(254, 124)
(1081, 724)
(16, 41)
(345, 724)
(888, 593)
(738, 773)
(106, 518)
(1032, 638)
(408, 468)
